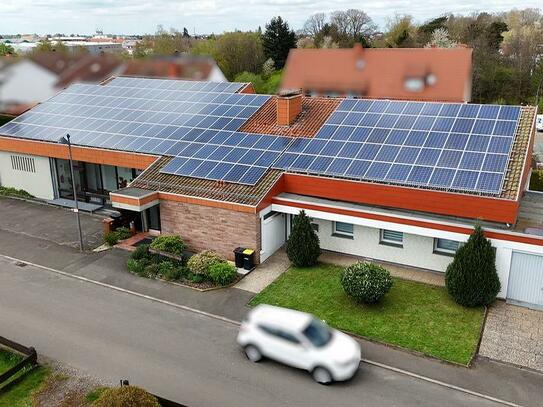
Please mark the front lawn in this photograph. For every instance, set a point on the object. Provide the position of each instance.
(412, 315)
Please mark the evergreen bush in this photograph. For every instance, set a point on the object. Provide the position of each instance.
(223, 273)
(172, 244)
(303, 248)
(201, 262)
(141, 252)
(366, 282)
(471, 279)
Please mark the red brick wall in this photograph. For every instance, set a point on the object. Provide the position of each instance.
(204, 227)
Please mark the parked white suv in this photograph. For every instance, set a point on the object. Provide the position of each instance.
(300, 340)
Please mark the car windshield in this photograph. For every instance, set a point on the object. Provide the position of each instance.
(317, 333)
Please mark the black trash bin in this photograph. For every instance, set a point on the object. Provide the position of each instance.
(248, 259)
(117, 219)
(238, 256)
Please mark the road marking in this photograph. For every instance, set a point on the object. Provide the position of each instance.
(237, 323)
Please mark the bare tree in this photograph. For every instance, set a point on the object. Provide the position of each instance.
(353, 25)
(314, 24)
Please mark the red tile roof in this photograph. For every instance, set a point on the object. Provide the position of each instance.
(315, 111)
(380, 73)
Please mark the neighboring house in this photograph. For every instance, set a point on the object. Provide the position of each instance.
(27, 81)
(402, 182)
(434, 74)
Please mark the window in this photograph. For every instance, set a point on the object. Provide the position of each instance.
(278, 333)
(445, 246)
(342, 229)
(317, 333)
(391, 237)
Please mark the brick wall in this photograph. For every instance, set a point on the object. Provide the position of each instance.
(204, 227)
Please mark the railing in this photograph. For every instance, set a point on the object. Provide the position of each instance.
(30, 359)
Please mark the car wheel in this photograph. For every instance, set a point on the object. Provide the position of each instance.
(252, 353)
(321, 375)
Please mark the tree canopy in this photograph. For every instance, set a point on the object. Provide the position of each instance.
(277, 41)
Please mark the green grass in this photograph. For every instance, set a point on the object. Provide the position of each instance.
(18, 391)
(412, 315)
(94, 394)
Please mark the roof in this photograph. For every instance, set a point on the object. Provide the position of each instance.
(381, 72)
(295, 320)
(56, 62)
(96, 68)
(153, 179)
(315, 111)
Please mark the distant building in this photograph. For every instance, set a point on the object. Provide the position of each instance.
(25, 82)
(432, 74)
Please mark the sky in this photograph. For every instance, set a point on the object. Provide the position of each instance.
(210, 16)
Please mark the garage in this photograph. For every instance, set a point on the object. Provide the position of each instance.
(526, 280)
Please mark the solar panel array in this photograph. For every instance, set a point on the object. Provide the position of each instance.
(176, 84)
(157, 120)
(447, 146)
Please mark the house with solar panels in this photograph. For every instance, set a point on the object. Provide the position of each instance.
(399, 181)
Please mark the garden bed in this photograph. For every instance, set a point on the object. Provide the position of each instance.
(413, 315)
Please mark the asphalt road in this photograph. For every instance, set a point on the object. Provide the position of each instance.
(187, 357)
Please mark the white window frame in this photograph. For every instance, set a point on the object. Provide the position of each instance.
(342, 233)
(388, 241)
(442, 251)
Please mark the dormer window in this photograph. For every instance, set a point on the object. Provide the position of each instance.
(414, 84)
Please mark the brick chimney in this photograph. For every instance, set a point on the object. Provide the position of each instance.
(289, 106)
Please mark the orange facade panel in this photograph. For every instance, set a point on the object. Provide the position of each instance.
(436, 202)
(86, 154)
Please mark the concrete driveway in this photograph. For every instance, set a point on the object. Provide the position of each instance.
(50, 223)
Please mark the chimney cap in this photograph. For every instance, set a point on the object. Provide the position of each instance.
(289, 92)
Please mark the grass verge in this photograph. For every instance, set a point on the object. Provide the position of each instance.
(412, 315)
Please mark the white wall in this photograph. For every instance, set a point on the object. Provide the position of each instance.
(38, 183)
(216, 75)
(417, 251)
(418, 242)
(26, 82)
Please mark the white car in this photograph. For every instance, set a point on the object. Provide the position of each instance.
(539, 122)
(300, 340)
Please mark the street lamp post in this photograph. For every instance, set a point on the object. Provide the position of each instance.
(66, 140)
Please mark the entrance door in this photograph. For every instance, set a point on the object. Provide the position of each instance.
(273, 233)
(526, 280)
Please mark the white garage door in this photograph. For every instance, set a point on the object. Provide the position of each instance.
(273, 233)
(526, 280)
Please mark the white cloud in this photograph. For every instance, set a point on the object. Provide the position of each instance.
(206, 16)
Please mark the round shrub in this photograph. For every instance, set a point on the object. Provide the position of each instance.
(222, 273)
(172, 244)
(366, 282)
(201, 262)
(126, 396)
(141, 252)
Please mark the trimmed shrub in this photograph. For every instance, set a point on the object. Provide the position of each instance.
(303, 247)
(123, 233)
(471, 279)
(111, 238)
(169, 244)
(137, 266)
(222, 273)
(201, 262)
(169, 271)
(141, 252)
(366, 282)
(126, 396)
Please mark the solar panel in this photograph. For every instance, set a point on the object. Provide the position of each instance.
(176, 84)
(438, 145)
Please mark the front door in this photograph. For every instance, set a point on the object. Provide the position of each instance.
(526, 280)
